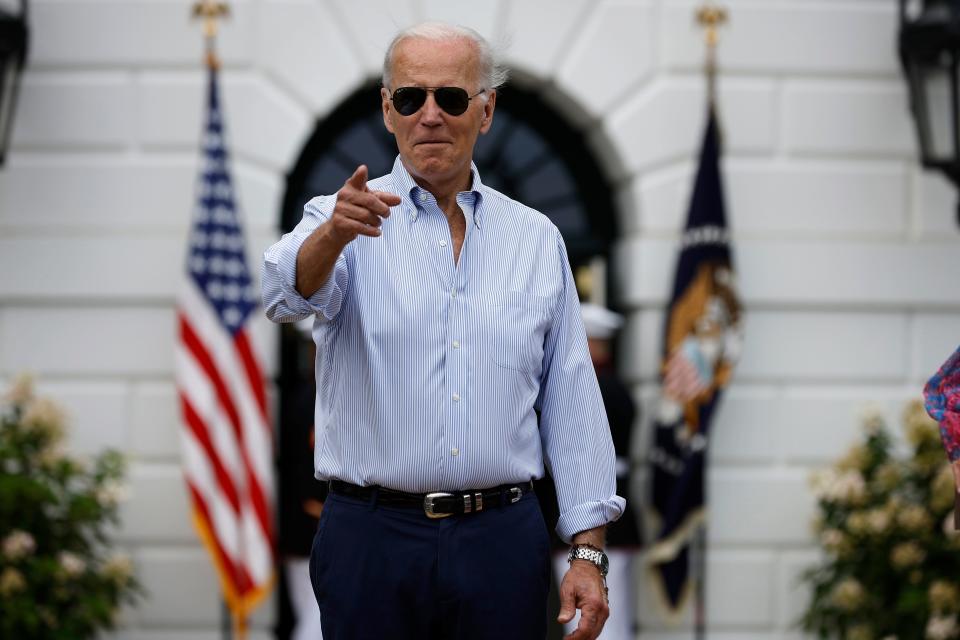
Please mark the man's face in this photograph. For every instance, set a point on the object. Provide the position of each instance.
(437, 147)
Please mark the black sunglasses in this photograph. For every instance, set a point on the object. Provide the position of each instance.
(454, 100)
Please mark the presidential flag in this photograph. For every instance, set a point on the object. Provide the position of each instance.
(226, 438)
(701, 342)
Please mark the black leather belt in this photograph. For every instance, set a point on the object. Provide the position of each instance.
(439, 504)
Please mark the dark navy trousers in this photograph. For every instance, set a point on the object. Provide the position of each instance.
(384, 573)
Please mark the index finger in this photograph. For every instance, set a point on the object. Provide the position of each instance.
(359, 178)
(387, 198)
(587, 628)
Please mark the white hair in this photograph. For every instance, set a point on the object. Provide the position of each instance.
(492, 73)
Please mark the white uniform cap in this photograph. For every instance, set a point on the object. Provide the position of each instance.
(305, 327)
(599, 322)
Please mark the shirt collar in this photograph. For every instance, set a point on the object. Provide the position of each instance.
(410, 191)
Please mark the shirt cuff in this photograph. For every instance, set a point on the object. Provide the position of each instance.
(589, 515)
(325, 300)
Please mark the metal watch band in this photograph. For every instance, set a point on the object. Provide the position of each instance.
(597, 557)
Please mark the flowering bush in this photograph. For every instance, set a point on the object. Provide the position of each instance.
(892, 559)
(57, 579)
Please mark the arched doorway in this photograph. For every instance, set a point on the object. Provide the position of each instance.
(531, 153)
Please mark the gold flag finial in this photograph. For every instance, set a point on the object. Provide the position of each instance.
(711, 18)
(210, 11)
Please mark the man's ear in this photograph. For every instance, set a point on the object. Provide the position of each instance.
(386, 105)
(488, 108)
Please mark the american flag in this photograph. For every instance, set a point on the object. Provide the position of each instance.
(227, 444)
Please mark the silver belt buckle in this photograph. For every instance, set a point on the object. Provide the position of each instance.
(428, 504)
(515, 494)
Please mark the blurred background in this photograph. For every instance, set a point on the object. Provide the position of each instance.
(845, 250)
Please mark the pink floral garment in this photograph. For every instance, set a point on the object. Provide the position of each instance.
(942, 400)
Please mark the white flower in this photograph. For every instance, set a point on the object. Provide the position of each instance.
(44, 416)
(72, 564)
(18, 544)
(907, 554)
(848, 594)
(119, 567)
(11, 581)
(942, 627)
(112, 493)
(21, 392)
(878, 520)
(871, 417)
(845, 487)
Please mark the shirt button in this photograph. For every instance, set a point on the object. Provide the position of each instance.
(443, 243)
(456, 397)
(454, 451)
(456, 344)
(453, 293)
(423, 197)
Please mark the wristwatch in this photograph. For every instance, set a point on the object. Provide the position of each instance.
(590, 554)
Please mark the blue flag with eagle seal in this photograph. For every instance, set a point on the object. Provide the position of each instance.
(701, 343)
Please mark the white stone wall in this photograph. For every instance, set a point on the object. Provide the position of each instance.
(846, 251)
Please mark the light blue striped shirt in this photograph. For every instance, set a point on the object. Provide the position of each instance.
(430, 372)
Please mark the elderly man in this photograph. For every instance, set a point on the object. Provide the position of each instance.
(451, 367)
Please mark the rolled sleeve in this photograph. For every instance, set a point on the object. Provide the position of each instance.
(281, 300)
(589, 515)
(574, 430)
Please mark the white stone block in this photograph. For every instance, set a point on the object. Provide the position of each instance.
(484, 17)
(109, 196)
(155, 421)
(370, 31)
(739, 594)
(214, 632)
(264, 338)
(935, 206)
(182, 585)
(796, 199)
(75, 110)
(165, 634)
(823, 346)
(817, 425)
(843, 117)
(824, 38)
(100, 267)
(641, 341)
(750, 507)
(158, 511)
(115, 32)
(261, 121)
(85, 340)
(618, 36)
(665, 121)
(740, 588)
(103, 267)
(97, 414)
(92, 194)
(539, 32)
(171, 108)
(259, 196)
(307, 52)
(804, 272)
(793, 595)
(937, 336)
(745, 429)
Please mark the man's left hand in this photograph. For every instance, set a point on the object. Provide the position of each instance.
(583, 588)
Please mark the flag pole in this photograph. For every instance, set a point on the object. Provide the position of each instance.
(710, 17)
(210, 11)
